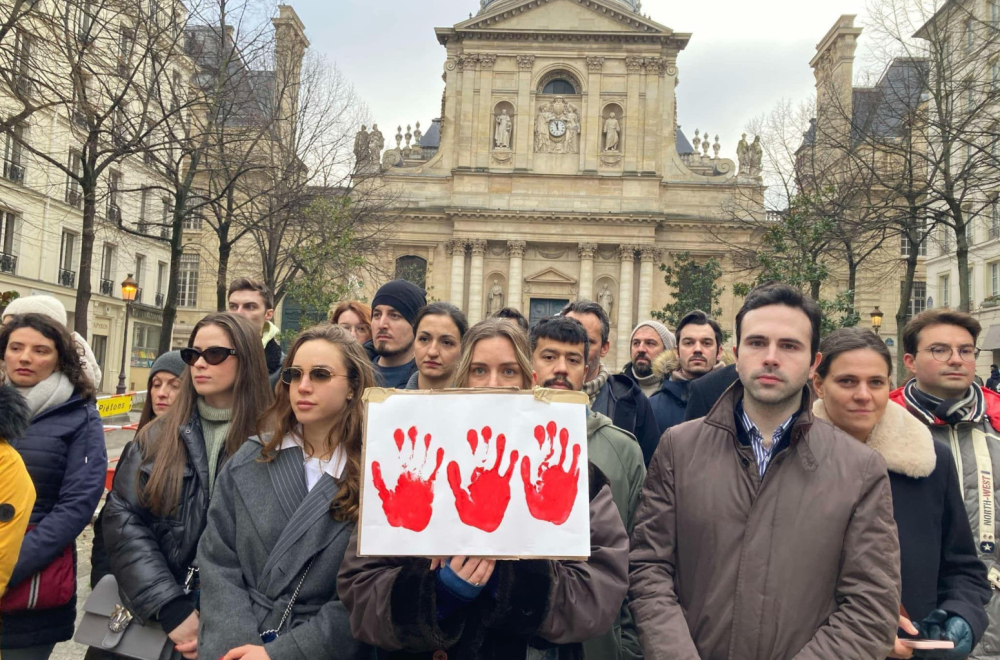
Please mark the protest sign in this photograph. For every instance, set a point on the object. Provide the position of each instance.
(475, 472)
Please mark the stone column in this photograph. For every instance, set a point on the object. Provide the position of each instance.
(587, 270)
(456, 249)
(515, 276)
(478, 246)
(524, 117)
(633, 88)
(593, 112)
(627, 254)
(647, 255)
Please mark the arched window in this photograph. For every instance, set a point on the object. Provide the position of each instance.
(559, 86)
(412, 269)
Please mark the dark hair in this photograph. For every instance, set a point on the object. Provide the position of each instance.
(514, 315)
(247, 284)
(589, 307)
(443, 309)
(161, 441)
(280, 418)
(844, 340)
(698, 317)
(69, 360)
(911, 333)
(777, 293)
(561, 329)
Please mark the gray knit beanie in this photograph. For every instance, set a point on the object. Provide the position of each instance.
(170, 362)
(667, 337)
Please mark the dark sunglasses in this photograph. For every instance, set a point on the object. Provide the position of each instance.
(316, 375)
(213, 355)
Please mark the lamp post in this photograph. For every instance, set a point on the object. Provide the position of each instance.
(877, 319)
(129, 288)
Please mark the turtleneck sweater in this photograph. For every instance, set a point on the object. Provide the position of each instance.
(214, 428)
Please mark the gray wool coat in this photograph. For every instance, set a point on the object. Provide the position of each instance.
(263, 530)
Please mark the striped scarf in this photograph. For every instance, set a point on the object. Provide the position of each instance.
(594, 386)
(930, 409)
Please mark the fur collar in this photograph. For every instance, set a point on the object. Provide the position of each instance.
(904, 443)
(667, 362)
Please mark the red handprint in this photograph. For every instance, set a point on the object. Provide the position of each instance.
(485, 503)
(409, 504)
(552, 497)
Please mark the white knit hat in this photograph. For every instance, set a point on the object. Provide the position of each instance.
(38, 304)
(667, 337)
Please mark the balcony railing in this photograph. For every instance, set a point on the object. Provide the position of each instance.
(159, 299)
(138, 295)
(107, 287)
(8, 263)
(24, 85)
(13, 171)
(74, 197)
(67, 277)
(994, 232)
(165, 231)
(114, 214)
(80, 117)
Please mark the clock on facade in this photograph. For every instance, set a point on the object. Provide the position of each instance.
(557, 128)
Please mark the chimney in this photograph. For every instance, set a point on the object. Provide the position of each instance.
(833, 67)
(290, 44)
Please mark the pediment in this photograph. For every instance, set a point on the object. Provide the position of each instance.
(550, 276)
(563, 15)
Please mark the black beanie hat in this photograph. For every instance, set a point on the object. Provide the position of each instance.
(405, 297)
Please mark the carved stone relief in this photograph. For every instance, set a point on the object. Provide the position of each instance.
(557, 128)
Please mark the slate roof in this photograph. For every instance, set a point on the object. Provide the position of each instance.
(881, 111)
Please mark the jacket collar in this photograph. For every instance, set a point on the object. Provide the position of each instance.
(194, 441)
(905, 444)
(722, 416)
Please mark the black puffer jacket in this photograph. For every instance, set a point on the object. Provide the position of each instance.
(150, 555)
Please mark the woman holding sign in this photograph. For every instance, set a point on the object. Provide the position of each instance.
(156, 510)
(283, 513)
(945, 588)
(472, 608)
(64, 452)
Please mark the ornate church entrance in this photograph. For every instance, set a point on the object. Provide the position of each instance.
(544, 307)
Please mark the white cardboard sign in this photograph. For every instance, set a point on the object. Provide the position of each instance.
(475, 473)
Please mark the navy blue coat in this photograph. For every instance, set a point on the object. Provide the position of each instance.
(623, 401)
(669, 403)
(65, 455)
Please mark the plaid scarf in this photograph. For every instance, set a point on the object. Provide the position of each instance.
(930, 409)
(594, 386)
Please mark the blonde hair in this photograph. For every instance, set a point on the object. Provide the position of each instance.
(489, 329)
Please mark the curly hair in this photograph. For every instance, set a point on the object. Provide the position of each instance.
(68, 357)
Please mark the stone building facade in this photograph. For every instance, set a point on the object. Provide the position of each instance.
(557, 170)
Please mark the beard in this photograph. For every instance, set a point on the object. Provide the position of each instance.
(558, 379)
(698, 369)
(643, 369)
(382, 348)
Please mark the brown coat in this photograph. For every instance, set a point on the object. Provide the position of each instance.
(804, 564)
(391, 602)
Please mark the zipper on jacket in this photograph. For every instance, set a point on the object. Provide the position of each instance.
(956, 451)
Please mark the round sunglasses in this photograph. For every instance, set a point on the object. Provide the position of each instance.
(213, 355)
(316, 375)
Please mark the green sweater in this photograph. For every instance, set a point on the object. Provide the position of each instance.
(214, 427)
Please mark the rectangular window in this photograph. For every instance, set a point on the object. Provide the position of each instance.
(22, 55)
(126, 42)
(970, 229)
(945, 240)
(994, 14)
(187, 294)
(140, 269)
(85, 20)
(67, 257)
(970, 39)
(944, 290)
(8, 260)
(192, 220)
(918, 298)
(143, 204)
(73, 194)
(995, 278)
(161, 278)
(995, 218)
(995, 74)
(13, 168)
(114, 185)
(166, 218)
(108, 262)
(972, 283)
(145, 344)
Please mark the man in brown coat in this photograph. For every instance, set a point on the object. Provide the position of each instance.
(763, 533)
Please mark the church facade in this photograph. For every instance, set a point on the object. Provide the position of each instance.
(557, 170)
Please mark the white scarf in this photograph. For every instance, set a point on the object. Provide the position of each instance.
(49, 393)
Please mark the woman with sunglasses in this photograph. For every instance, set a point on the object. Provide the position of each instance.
(944, 585)
(157, 508)
(439, 328)
(285, 508)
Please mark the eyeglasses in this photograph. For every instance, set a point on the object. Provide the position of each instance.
(316, 375)
(943, 353)
(213, 355)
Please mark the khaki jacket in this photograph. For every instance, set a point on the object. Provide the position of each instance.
(804, 564)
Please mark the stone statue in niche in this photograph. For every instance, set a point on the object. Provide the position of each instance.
(612, 131)
(606, 299)
(504, 126)
(557, 128)
(495, 299)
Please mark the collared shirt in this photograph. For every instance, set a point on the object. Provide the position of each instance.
(315, 468)
(761, 453)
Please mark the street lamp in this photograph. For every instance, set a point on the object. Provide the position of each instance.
(129, 288)
(877, 319)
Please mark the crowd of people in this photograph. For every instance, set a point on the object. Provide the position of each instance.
(782, 502)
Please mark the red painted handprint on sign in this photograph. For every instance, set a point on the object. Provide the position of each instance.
(485, 503)
(408, 505)
(551, 498)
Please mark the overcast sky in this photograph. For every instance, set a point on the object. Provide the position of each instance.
(742, 59)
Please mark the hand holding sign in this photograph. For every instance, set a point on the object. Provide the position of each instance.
(551, 498)
(485, 503)
(409, 504)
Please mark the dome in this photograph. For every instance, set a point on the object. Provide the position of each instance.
(628, 4)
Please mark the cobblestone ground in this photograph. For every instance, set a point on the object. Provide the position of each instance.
(71, 650)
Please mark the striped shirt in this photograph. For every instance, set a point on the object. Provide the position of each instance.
(761, 453)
